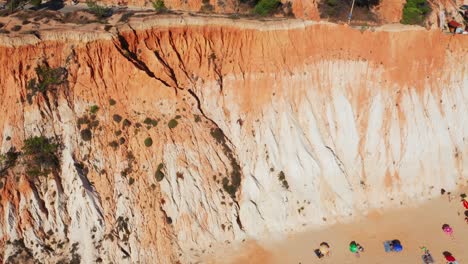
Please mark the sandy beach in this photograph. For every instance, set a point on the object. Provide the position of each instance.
(414, 226)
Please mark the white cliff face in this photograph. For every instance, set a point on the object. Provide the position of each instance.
(344, 143)
(252, 133)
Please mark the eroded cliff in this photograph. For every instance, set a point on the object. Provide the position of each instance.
(210, 131)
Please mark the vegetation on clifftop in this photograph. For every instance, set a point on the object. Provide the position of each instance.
(415, 11)
(159, 6)
(266, 7)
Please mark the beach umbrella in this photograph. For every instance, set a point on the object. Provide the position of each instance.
(353, 247)
(397, 247)
(448, 230)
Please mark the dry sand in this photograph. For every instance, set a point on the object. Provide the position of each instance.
(415, 227)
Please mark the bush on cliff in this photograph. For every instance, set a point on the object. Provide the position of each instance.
(47, 78)
(415, 11)
(35, 3)
(40, 155)
(8, 160)
(98, 10)
(266, 7)
(159, 6)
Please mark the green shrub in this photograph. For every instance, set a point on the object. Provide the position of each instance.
(207, 6)
(197, 118)
(126, 123)
(159, 174)
(148, 142)
(16, 28)
(282, 179)
(217, 134)
(86, 134)
(266, 7)
(113, 144)
(40, 155)
(415, 11)
(159, 6)
(150, 121)
(35, 2)
(172, 123)
(93, 109)
(8, 160)
(112, 101)
(117, 118)
(47, 78)
(98, 10)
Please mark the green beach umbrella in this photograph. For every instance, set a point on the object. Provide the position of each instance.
(353, 247)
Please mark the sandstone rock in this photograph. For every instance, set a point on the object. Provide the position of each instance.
(279, 125)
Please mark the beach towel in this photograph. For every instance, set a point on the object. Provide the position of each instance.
(318, 253)
(387, 246)
(427, 258)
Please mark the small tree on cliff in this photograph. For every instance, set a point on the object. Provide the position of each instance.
(266, 7)
(415, 11)
(40, 155)
(159, 6)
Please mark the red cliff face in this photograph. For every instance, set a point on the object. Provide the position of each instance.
(212, 130)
